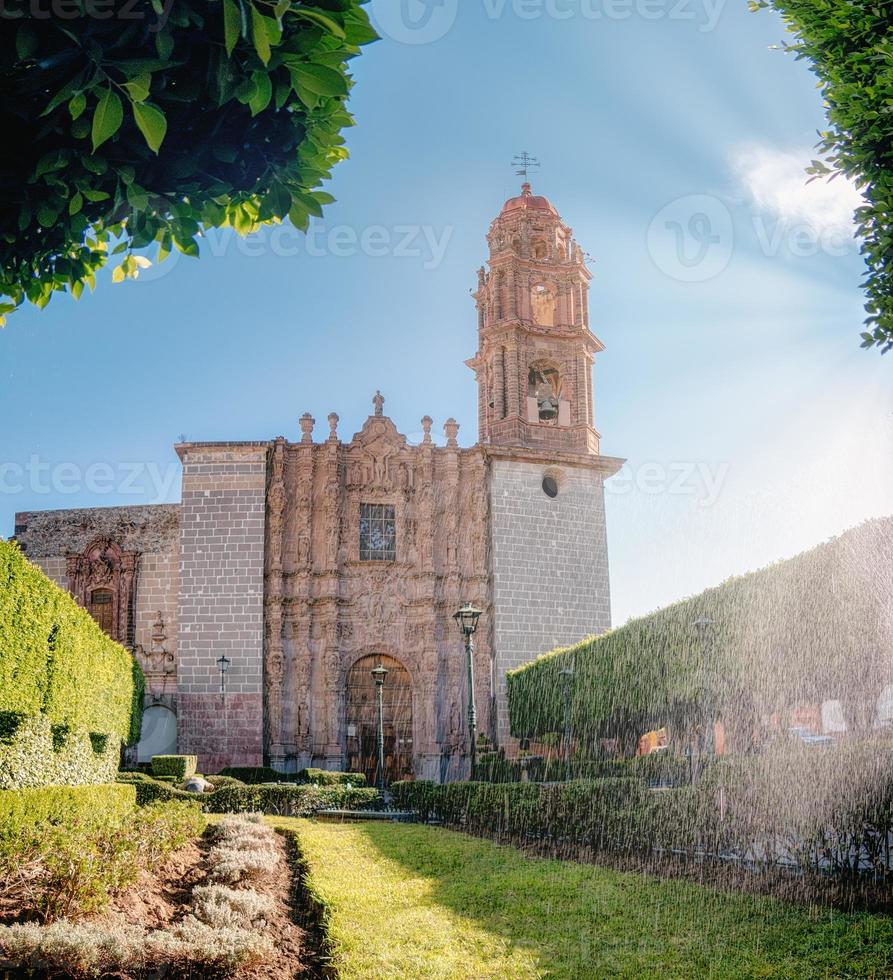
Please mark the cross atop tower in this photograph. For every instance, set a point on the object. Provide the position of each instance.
(525, 162)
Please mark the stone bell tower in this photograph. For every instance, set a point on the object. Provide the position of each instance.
(549, 553)
(536, 351)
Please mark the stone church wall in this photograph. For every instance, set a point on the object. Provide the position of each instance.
(550, 565)
(48, 538)
(221, 603)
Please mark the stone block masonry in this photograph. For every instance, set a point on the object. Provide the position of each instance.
(550, 565)
(221, 603)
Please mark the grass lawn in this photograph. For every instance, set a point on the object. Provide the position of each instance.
(417, 902)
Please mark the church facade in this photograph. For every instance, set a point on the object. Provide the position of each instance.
(260, 603)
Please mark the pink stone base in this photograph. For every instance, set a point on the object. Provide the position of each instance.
(221, 730)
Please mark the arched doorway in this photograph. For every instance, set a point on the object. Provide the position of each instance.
(362, 720)
(158, 735)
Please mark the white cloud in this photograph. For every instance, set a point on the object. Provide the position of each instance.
(776, 182)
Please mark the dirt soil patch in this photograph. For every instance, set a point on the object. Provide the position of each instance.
(163, 896)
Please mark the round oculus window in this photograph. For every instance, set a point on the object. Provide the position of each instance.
(550, 486)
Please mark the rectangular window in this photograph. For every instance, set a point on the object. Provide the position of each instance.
(378, 533)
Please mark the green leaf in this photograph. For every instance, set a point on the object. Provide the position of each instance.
(324, 20)
(46, 216)
(76, 203)
(232, 25)
(320, 79)
(308, 203)
(152, 123)
(259, 34)
(299, 216)
(263, 92)
(107, 118)
(164, 44)
(77, 104)
(138, 87)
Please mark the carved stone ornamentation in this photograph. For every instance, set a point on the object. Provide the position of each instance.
(103, 580)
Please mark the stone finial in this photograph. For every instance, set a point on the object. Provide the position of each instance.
(307, 423)
(451, 431)
(427, 422)
(378, 402)
(333, 426)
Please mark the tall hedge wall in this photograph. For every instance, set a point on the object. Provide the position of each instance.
(817, 626)
(57, 664)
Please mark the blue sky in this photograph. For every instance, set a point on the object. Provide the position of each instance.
(672, 140)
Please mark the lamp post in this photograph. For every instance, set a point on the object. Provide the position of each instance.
(704, 627)
(467, 621)
(567, 683)
(223, 666)
(379, 673)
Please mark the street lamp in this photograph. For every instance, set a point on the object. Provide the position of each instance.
(567, 683)
(379, 673)
(223, 666)
(467, 621)
(704, 627)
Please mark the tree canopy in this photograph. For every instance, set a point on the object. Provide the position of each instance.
(850, 46)
(131, 122)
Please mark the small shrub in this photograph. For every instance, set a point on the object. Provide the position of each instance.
(327, 777)
(67, 865)
(227, 908)
(151, 790)
(24, 809)
(89, 950)
(179, 766)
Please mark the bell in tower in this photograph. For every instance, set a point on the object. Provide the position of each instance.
(535, 349)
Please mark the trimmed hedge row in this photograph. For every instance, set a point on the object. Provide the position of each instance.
(174, 766)
(825, 812)
(56, 661)
(580, 811)
(35, 753)
(781, 637)
(659, 769)
(278, 799)
(256, 775)
(25, 808)
(289, 801)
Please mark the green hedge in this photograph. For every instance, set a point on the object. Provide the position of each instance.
(35, 753)
(252, 775)
(828, 812)
(255, 775)
(782, 637)
(327, 777)
(55, 659)
(234, 797)
(580, 811)
(178, 766)
(24, 808)
(288, 801)
(659, 769)
(56, 663)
